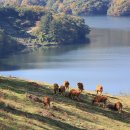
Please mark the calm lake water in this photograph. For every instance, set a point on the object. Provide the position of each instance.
(105, 60)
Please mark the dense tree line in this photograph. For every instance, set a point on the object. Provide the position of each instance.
(63, 28)
(119, 8)
(34, 25)
(78, 7)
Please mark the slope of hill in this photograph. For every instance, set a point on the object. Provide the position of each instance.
(23, 2)
(35, 26)
(119, 8)
(17, 111)
(82, 7)
(79, 7)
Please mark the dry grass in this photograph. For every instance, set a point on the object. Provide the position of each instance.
(19, 112)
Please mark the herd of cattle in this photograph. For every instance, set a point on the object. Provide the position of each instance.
(75, 93)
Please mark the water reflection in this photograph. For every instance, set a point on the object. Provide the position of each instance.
(108, 22)
(103, 38)
(38, 58)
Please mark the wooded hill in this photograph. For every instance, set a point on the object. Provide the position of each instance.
(79, 7)
(36, 26)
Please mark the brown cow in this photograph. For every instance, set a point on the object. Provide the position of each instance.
(62, 89)
(80, 86)
(34, 98)
(74, 93)
(56, 88)
(34, 84)
(118, 106)
(46, 101)
(111, 106)
(99, 88)
(99, 99)
(66, 84)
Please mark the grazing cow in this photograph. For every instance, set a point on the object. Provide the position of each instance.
(80, 86)
(118, 106)
(99, 88)
(74, 93)
(62, 89)
(115, 107)
(66, 84)
(99, 99)
(111, 106)
(46, 101)
(56, 87)
(34, 84)
(34, 98)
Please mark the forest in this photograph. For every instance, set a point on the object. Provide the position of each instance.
(78, 7)
(36, 26)
(36, 23)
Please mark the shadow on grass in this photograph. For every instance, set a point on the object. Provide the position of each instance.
(88, 107)
(22, 87)
(7, 126)
(85, 104)
(3, 126)
(69, 113)
(51, 122)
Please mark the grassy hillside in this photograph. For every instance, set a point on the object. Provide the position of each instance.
(18, 112)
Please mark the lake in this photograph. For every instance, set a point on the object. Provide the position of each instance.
(105, 60)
